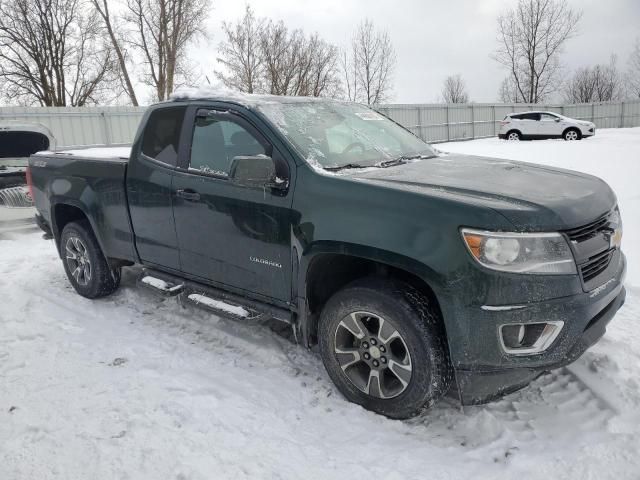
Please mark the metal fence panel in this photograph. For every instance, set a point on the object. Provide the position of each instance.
(432, 122)
(442, 122)
(630, 114)
(84, 126)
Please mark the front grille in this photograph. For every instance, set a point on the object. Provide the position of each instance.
(588, 231)
(592, 246)
(596, 265)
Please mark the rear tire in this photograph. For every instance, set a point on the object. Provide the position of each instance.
(514, 136)
(85, 264)
(384, 347)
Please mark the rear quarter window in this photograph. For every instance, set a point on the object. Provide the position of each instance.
(162, 134)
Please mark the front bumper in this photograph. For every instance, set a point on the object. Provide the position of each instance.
(488, 372)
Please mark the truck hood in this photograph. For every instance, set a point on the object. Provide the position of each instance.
(532, 197)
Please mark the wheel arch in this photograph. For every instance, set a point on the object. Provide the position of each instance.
(330, 267)
(513, 130)
(573, 127)
(65, 212)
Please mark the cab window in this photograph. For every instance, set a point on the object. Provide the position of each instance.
(217, 141)
(162, 134)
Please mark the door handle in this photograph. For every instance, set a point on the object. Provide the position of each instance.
(188, 194)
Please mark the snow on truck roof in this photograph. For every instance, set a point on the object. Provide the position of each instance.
(247, 99)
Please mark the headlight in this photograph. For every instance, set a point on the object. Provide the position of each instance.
(541, 253)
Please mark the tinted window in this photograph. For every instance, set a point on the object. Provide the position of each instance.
(22, 143)
(548, 116)
(215, 143)
(526, 116)
(162, 134)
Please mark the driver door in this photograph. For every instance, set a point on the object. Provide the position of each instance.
(233, 236)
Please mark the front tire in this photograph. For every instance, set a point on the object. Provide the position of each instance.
(86, 266)
(384, 347)
(571, 135)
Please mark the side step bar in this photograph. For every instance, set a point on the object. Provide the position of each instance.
(160, 284)
(219, 302)
(221, 307)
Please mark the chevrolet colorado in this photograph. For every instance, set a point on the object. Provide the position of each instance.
(415, 272)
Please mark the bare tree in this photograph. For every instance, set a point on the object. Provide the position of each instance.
(298, 65)
(161, 30)
(508, 93)
(321, 65)
(633, 73)
(368, 65)
(261, 56)
(281, 51)
(600, 83)
(531, 38)
(102, 9)
(240, 53)
(454, 90)
(51, 53)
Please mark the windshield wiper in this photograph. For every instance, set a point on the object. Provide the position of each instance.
(346, 166)
(402, 159)
(385, 163)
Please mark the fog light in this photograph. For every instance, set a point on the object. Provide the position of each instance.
(528, 338)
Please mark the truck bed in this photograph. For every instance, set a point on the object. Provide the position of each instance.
(91, 181)
(109, 154)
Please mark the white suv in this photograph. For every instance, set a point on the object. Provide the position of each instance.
(533, 125)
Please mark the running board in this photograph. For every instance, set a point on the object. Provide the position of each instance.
(221, 307)
(159, 283)
(217, 301)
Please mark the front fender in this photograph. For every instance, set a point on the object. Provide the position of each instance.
(306, 257)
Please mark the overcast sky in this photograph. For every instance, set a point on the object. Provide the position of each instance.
(436, 38)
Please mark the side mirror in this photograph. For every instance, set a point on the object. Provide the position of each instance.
(256, 171)
(557, 120)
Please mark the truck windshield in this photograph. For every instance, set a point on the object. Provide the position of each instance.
(332, 134)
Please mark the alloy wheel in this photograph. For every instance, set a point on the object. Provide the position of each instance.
(78, 260)
(513, 136)
(373, 355)
(571, 135)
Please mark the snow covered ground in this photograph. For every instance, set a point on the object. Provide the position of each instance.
(137, 387)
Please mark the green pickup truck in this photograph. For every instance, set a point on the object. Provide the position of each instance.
(416, 273)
